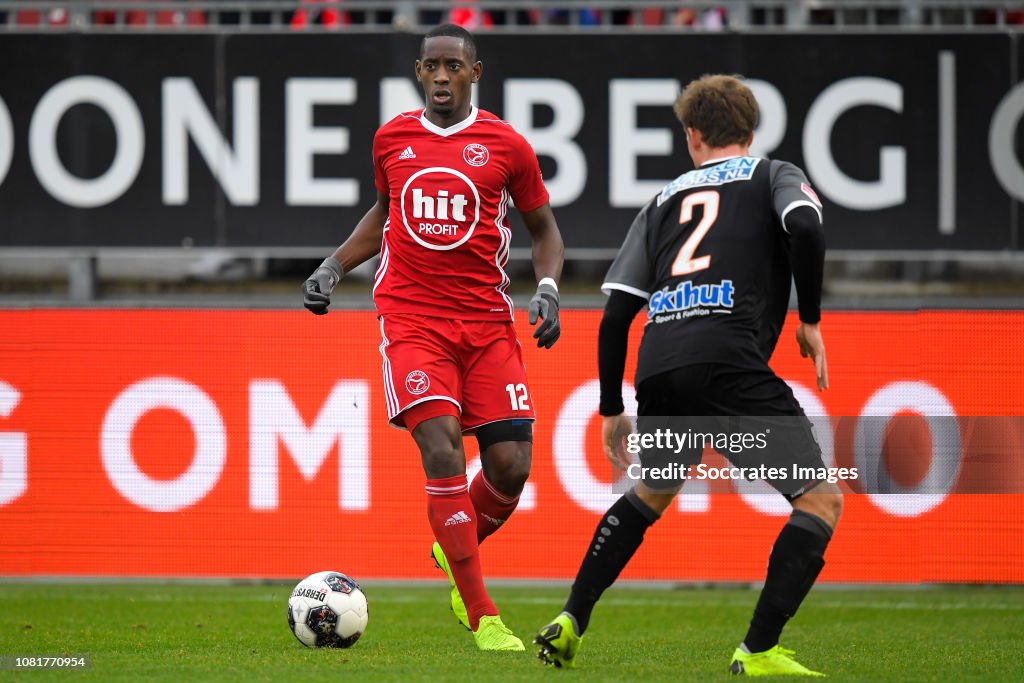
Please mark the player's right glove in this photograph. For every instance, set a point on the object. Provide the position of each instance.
(316, 291)
(545, 305)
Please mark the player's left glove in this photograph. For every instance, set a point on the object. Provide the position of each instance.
(316, 290)
(545, 305)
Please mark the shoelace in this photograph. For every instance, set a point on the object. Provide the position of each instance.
(505, 630)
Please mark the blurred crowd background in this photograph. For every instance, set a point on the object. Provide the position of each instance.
(482, 15)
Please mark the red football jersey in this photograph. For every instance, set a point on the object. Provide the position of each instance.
(447, 236)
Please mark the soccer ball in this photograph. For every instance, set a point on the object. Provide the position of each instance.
(327, 609)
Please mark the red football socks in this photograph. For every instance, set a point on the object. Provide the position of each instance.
(454, 521)
(492, 506)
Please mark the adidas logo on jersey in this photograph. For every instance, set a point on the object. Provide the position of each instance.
(407, 153)
(459, 517)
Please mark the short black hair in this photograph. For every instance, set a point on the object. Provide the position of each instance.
(452, 31)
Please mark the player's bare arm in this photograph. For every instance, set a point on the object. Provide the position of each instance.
(365, 240)
(812, 346)
(362, 244)
(614, 430)
(548, 255)
(548, 250)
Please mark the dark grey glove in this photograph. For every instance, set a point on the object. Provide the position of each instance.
(316, 291)
(545, 304)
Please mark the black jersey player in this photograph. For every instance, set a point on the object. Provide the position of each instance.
(712, 257)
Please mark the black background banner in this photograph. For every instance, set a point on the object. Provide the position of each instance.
(601, 71)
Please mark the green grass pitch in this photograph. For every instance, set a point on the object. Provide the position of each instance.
(181, 632)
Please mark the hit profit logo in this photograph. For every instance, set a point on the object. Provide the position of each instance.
(440, 208)
(437, 208)
(688, 300)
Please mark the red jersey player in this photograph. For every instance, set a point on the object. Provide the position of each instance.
(445, 178)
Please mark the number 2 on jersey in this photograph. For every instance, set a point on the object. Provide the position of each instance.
(685, 264)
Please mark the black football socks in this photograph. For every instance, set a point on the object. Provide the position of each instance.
(619, 533)
(795, 562)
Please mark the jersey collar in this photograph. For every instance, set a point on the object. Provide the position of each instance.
(712, 162)
(450, 130)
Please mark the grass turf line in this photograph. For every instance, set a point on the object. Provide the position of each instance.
(156, 632)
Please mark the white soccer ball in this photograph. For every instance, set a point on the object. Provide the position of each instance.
(327, 609)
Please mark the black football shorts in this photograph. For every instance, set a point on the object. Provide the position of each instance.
(749, 416)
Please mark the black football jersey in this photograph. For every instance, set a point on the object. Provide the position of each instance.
(710, 253)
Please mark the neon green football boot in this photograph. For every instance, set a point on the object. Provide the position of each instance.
(557, 643)
(778, 661)
(492, 634)
(458, 606)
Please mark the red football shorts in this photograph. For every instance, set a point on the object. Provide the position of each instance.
(470, 369)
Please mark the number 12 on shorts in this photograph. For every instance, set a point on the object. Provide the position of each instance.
(517, 394)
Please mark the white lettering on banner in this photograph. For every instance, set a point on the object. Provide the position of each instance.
(817, 413)
(398, 95)
(575, 476)
(771, 124)
(947, 143)
(890, 188)
(569, 448)
(13, 450)
(6, 140)
(235, 160)
(627, 142)
(303, 141)
(344, 418)
(1002, 135)
(116, 444)
(555, 140)
(117, 104)
(235, 167)
(928, 401)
